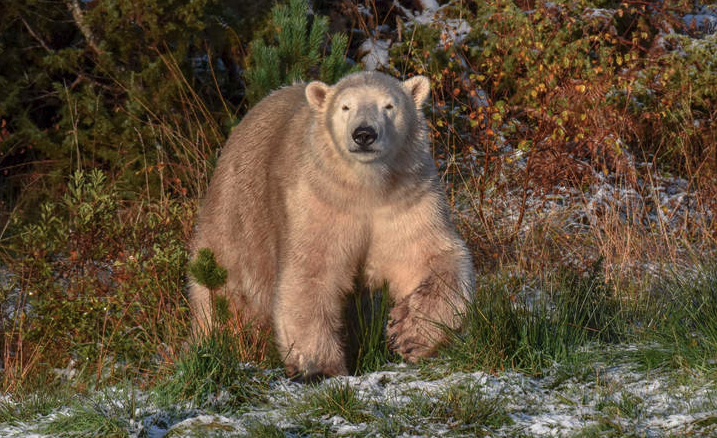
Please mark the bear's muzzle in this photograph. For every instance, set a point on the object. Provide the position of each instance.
(364, 136)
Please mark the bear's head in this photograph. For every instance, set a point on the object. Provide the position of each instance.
(370, 115)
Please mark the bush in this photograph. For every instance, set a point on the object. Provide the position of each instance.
(567, 84)
(93, 284)
(206, 271)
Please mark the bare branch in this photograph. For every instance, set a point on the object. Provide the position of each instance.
(78, 15)
(36, 36)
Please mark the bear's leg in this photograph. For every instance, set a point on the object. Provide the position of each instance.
(430, 287)
(308, 313)
(419, 319)
(200, 301)
(429, 271)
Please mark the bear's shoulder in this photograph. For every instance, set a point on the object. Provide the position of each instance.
(291, 95)
(276, 110)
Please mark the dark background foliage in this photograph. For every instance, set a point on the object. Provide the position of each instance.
(85, 84)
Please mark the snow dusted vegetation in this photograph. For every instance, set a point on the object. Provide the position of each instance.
(596, 397)
(631, 353)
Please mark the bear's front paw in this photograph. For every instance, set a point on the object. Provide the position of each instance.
(410, 334)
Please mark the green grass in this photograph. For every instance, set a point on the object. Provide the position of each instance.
(389, 421)
(466, 408)
(261, 430)
(605, 427)
(684, 321)
(463, 407)
(627, 405)
(105, 414)
(24, 407)
(87, 423)
(367, 332)
(528, 326)
(212, 374)
(334, 398)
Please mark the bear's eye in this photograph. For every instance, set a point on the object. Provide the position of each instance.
(389, 106)
(345, 107)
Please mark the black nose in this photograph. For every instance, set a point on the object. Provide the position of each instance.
(364, 135)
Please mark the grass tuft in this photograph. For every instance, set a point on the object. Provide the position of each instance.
(261, 430)
(87, 423)
(24, 407)
(470, 409)
(335, 398)
(685, 321)
(109, 413)
(367, 316)
(627, 405)
(463, 407)
(215, 372)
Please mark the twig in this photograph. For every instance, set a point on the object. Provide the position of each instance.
(36, 36)
(78, 15)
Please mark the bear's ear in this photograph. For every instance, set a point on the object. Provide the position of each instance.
(316, 93)
(418, 87)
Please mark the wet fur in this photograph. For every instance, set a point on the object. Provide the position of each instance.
(295, 219)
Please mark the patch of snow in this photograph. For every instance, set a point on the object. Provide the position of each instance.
(553, 425)
(364, 10)
(68, 372)
(452, 29)
(599, 13)
(375, 53)
(705, 23)
(342, 428)
(430, 5)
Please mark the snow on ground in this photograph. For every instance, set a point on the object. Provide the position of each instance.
(563, 403)
(703, 19)
(374, 52)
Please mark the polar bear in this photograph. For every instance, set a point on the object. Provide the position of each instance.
(320, 185)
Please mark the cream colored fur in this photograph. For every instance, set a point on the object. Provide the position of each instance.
(296, 214)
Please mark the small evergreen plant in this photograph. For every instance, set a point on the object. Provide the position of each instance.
(206, 271)
(294, 53)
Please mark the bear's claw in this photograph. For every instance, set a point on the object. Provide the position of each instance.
(407, 334)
